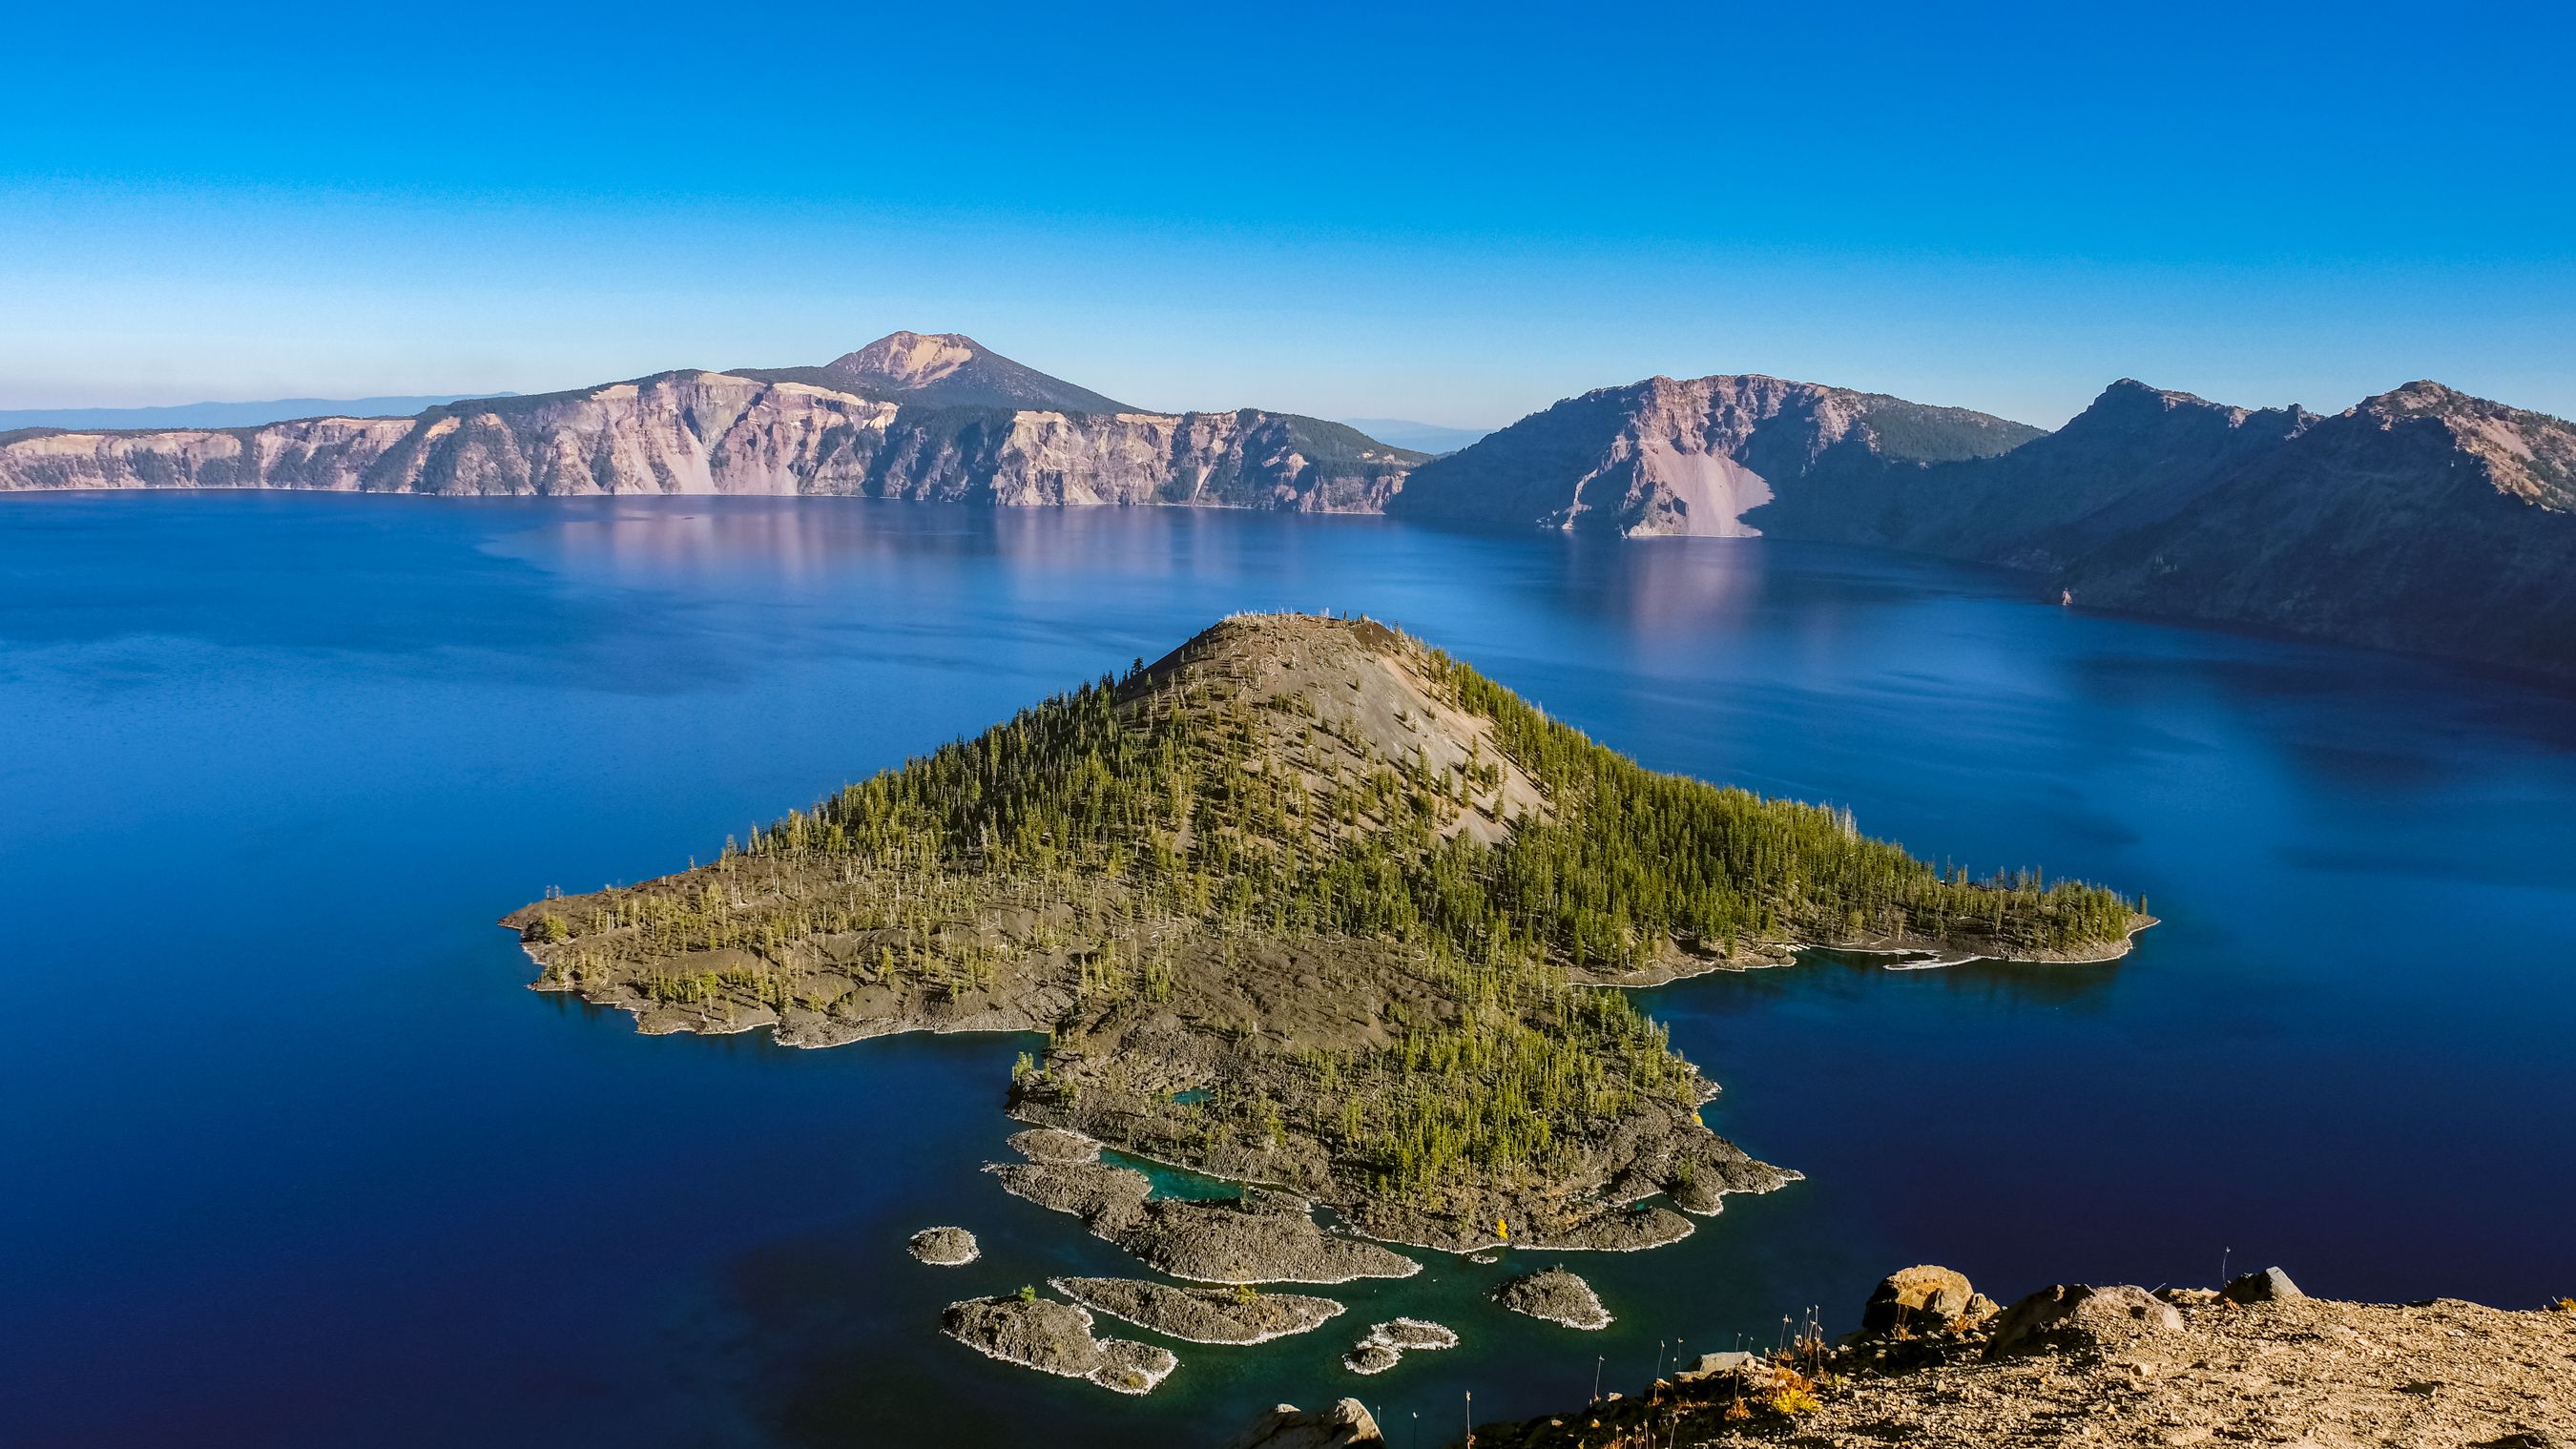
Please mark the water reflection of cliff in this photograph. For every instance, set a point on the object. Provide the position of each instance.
(802, 539)
(1655, 592)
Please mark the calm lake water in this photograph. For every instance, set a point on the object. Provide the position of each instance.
(289, 1156)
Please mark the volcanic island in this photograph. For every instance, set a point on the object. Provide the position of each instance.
(1311, 907)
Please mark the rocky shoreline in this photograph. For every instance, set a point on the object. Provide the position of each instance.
(1683, 965)
(1054, 1146)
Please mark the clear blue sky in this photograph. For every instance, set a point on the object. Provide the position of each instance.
(1454, 214)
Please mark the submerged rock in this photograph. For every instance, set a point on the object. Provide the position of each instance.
(1201, 1315)
(1346, 1425)
(945, 1247)
(2079, 1316)
(1920, 1299)
(1555, 1295)
(1056, 1338)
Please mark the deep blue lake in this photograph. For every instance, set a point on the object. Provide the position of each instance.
(290, 1157)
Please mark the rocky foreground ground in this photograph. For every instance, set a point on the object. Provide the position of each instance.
(2257, 1363)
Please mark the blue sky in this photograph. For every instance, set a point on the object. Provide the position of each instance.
(1452, 214)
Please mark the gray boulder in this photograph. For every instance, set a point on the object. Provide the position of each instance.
(1728, 1362)
(1920, 1299)
(1343, 1426)
(2269, 1286)
(2081, 1316)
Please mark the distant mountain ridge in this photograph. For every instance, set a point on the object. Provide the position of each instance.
(227, 414)
(1421, 437)
(909, 416)
(2421, 519)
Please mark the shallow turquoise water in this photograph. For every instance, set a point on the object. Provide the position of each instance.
(291, 1157)
(1165, 1180)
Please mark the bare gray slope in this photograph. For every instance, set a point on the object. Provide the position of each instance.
(947, 370)
(1688, 457)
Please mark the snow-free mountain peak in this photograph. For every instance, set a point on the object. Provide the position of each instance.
(950, 369)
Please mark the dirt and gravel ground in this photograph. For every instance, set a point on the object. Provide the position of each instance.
(2301, 1372)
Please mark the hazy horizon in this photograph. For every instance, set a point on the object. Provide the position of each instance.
(1451, 217)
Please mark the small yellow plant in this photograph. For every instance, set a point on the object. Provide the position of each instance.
(1790, 1402)
(1789, 1393)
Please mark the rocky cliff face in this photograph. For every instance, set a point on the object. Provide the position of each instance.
(2422, 519)
(2136, 455)
(710, 432)
(1689, 457)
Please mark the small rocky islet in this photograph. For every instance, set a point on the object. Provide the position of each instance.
(945, 1247)
(1055, 1338)
(1555, 1295)
(1385, 1344)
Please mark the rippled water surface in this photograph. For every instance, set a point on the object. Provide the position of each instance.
(290, 1158)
